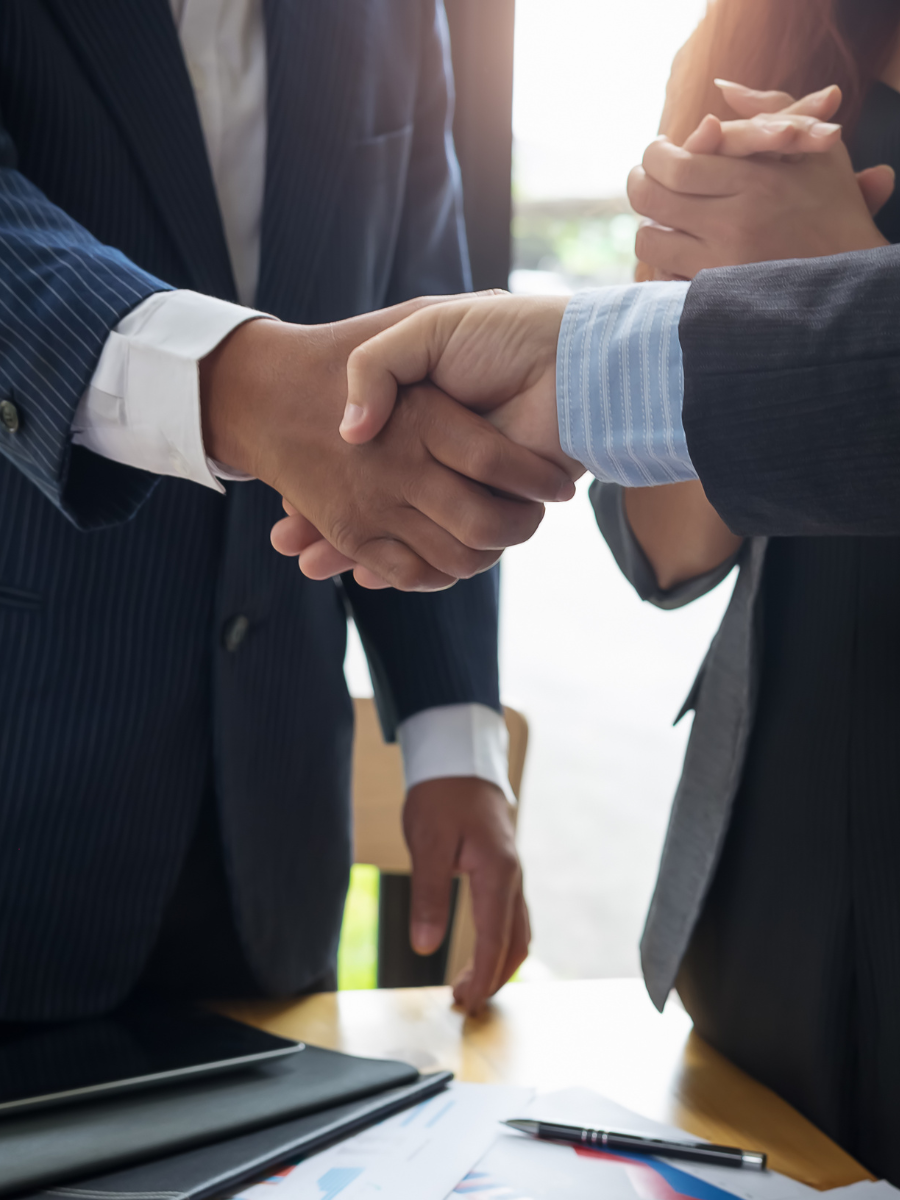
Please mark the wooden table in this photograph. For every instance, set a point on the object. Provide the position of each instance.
(603, 1034)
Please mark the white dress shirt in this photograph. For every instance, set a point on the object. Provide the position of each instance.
(142, 406)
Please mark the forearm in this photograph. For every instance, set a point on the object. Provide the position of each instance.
(680, 532)
(61, 294)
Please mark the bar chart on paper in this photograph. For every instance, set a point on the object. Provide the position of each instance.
(336, 1180)
(419, 1154)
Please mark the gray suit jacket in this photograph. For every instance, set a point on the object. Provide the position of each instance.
(792, 417)
(723, 697)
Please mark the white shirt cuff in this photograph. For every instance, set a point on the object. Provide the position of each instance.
(142, 406)
(456, 740)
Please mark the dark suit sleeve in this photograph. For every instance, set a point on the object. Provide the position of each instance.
(792, 394)
(430, 650)
(61, 293)
(425, 651)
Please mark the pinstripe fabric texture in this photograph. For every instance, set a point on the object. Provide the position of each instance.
(118, 696)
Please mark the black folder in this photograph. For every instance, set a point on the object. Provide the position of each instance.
(205, 1138)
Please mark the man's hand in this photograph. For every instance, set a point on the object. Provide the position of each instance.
(495, 355)
(464, 827)
(416, 506)
(737, 192)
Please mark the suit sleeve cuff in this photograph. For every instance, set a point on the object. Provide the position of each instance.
(142, 406)
(620, 384)
(456, 740)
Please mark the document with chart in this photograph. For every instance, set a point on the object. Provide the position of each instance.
(419, 1154)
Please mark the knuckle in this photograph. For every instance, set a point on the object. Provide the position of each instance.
(344, 535)
(635, 186)
(480, 530)
(405, 573)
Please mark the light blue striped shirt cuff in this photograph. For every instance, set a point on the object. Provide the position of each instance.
(620, 384)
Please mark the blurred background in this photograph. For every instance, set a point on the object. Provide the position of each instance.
(599, 675)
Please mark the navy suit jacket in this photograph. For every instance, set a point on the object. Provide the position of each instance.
(119, 698)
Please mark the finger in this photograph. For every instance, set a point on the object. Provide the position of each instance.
(288, 507)
(320, 560)
(401, 568)
(391, 562)
(430, 892)
(748, 102)
(518, 951)
(292, 534)
(696, 174)
(877, 186)
(469, 444)
(782, 134)
(494, 897)
(368, 579)
(477, 520)
(822, 104)
(433, 539)
(406, 353)
(664, 207)
(670, 252)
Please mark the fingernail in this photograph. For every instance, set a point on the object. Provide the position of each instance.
(778, 126)
(823, 129)
(425, 939)
(720, 83)
(353, 415)
(566, 491)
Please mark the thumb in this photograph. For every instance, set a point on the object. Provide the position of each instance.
(877, 186)
(405, 353)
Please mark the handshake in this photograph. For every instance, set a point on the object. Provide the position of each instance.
(414, 445)
(411, 486)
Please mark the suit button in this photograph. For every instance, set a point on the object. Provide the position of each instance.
(235, 631)
(9, 415)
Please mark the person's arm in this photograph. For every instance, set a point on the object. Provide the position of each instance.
(62, 293)
(678, 532)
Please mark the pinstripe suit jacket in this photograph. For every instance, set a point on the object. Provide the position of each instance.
(119, 700)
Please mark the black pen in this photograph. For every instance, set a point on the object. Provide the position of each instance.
(634, 1143)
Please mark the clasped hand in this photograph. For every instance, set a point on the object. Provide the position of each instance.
(775, 184)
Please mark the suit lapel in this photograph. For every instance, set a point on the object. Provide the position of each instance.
(132, 54)
(315, 58)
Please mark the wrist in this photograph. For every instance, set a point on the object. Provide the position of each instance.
(232, 377)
